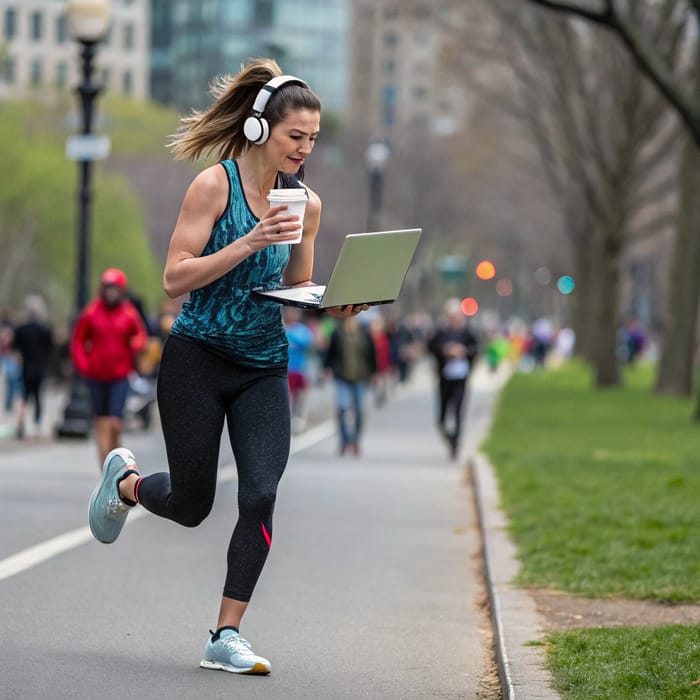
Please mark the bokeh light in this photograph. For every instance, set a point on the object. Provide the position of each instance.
(504, 287)
(485, 270)
(543, 276)
(470, 306)
(566, 284)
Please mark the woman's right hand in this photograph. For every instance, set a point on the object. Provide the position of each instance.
(276, 226)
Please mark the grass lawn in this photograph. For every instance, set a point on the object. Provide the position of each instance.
(602, 488)
(627, 663)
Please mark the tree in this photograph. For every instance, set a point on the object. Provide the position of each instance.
(679, 83)
(603, 137)
(37, 215)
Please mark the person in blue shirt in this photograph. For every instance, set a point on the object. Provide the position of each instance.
(225, 361)
(301, 346)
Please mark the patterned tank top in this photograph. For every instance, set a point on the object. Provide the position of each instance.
(224, 314)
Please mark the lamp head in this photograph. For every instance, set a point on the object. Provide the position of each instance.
(377, 156)
(87, 19)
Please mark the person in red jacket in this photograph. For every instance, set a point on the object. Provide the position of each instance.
(107, 336)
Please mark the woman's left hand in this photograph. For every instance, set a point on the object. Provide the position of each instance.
(345, 311)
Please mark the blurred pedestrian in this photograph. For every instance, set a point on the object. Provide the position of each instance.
(633, 340)
(10, 360)
(404, 347)
(225, 360)
(497, 349)
(33, 340)
(455, 349)
(352, 360)
(108, 335)
(542, 335)
(301, 344)
(383, 377)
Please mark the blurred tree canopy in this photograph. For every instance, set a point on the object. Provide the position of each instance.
(39, 203)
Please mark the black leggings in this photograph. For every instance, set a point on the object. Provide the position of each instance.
(196, 391)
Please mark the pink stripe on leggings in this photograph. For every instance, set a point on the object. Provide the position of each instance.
(136, 490)
(266, 535)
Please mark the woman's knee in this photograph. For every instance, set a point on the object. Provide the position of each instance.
(260, 503)
(192, 516)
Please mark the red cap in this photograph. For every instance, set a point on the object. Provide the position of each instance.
(114, 276)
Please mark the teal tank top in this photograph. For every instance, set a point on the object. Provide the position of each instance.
(224, 314)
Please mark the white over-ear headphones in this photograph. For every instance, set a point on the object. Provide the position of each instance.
(256, 128)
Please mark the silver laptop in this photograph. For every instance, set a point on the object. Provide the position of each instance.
(370, 269)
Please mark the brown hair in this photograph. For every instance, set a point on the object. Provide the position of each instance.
(218, 130)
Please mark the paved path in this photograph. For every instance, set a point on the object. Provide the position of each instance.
(370, 591)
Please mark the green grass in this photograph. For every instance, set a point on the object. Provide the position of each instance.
(620, 664)
(602, 488)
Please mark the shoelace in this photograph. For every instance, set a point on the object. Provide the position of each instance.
(237, 644)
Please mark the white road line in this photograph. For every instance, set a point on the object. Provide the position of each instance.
(32, 556)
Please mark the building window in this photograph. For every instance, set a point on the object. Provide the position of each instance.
(37, 25)
(262, 13)
(8, 70)
(127, 83)
(61, 75)
(61, 30)
(106, 77)
(129, 36)
(10, 23)
(35, 74)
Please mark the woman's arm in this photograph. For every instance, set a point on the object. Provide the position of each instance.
(301, 262)
(204, 202)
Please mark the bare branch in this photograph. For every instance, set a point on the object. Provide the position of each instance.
(602, 17)
(644, 56)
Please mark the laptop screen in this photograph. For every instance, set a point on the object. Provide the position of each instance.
(371, 267)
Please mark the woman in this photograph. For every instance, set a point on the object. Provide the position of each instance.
(226, 357)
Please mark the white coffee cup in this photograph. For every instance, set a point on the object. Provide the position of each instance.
(295, 200)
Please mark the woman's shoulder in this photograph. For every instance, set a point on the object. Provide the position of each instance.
(314, 203)
(210, 182)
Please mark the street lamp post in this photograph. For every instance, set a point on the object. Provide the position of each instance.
(87, 24)
(376, 159)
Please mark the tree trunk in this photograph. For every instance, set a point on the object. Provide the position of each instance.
(583, 322)
(675, 372)
(606, 292)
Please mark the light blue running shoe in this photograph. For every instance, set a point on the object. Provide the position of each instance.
(228, 651)
(107, 512)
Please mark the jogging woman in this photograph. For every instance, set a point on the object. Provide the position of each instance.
(226, 357)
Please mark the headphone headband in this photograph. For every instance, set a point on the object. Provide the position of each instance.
(271, 87)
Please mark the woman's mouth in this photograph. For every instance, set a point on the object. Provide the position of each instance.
(297, 161)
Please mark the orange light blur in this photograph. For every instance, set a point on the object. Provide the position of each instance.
(485, 270)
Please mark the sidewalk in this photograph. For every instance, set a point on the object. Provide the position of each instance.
(516, 622)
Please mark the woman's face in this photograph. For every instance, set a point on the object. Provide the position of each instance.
(292, 140)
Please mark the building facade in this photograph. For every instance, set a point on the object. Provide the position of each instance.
(195, 40)
(398, 86)
(37, 55)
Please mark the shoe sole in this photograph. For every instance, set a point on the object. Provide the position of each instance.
(257, 669)
(99, 489)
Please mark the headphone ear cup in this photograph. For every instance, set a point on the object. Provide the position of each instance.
(256, 130)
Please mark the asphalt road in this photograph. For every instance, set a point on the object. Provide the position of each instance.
(371, 589)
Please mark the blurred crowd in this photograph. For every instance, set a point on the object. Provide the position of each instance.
(364, 358)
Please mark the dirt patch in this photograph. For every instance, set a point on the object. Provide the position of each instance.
(489, 680)
(564, 611)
